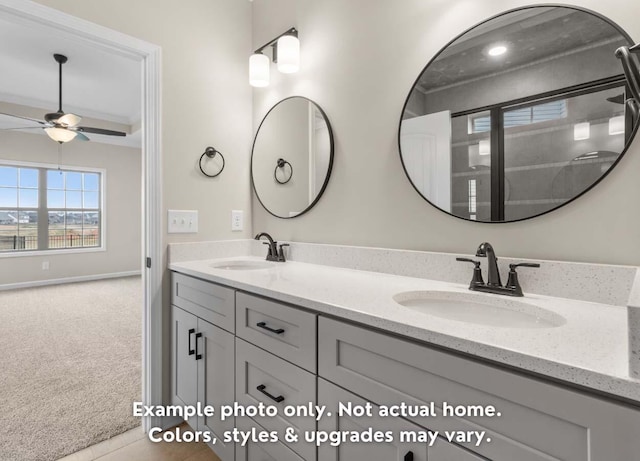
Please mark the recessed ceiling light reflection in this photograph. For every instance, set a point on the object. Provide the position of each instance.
(497, 50)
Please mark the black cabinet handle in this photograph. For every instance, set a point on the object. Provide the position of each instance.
(408, 456)
(191, 331)
(264, 326)
(262, 388)
(198, 356)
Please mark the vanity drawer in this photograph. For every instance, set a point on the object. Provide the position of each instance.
(283, 381)
(271, 451)
(211, 302)
(285, 331)
(539, 421)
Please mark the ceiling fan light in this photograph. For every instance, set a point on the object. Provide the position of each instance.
(69, 120)
(60, 135)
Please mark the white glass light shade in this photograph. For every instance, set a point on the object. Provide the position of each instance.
(288, 54)
(581, 131)
(70, 120)
(616, 125)
(60, 134)
(259, 70)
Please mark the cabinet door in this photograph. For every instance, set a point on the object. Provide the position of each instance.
(445, 451)
(330, 395)
(184, 371)
(216, 382)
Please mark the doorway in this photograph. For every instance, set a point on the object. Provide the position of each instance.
(57, 25)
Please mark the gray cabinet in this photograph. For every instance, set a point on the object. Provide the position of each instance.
(330, 395)
(203, 358)
(539, 421)
(283, 355)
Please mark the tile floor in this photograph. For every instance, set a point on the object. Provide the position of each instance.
(134, 445)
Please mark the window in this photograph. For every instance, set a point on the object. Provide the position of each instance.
(554, 110)
(47, 209)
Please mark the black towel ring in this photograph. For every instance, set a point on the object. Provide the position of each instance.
(280, 164)
(210, 152)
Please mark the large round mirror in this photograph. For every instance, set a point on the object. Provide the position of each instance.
(518, 115)
(292, 157)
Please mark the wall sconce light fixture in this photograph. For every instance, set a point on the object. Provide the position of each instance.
(285, 52)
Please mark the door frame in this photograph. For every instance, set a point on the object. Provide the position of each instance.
(149, 55)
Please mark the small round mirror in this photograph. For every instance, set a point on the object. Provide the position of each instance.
(292, 157)
(519, 115)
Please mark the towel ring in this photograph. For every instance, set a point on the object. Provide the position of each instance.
(280, 164)
(210, 152)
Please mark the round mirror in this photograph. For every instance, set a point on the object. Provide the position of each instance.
(519, 115)
(292, 157)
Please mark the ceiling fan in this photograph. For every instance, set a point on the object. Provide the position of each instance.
(63, 127)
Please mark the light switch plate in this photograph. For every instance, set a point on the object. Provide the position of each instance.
(182, 221)
(237, 220)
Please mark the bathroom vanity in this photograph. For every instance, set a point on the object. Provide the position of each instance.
(293, 333)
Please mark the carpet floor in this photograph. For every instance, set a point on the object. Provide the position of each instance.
(70, 366)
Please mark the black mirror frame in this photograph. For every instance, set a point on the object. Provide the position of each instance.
(450, 42)
(329, 167)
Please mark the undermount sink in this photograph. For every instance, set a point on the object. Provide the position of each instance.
(242, 265)
(480, 309)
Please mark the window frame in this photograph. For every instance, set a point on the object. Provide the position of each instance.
(497, 132)
(44, 210)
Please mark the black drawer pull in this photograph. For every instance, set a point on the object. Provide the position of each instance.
(198, 356)
(262, 388)
(408, 456)
(264, 326)
(191, 331)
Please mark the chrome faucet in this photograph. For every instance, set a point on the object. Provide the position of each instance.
(274, 254)
(494, 285)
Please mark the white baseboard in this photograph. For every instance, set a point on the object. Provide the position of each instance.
(80, 278)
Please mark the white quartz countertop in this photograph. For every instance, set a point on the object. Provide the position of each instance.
(590, 349)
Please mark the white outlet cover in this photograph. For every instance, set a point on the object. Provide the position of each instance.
(182, 221)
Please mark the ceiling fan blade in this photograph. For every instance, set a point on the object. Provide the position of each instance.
(69, 120)
(22, 128)
(24, 118)
(81, 137)
(618, 99)
(88, 129)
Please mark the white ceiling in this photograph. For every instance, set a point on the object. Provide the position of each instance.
(96, 84)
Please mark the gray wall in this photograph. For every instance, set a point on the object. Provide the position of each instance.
(359, 61)
(123, 208)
